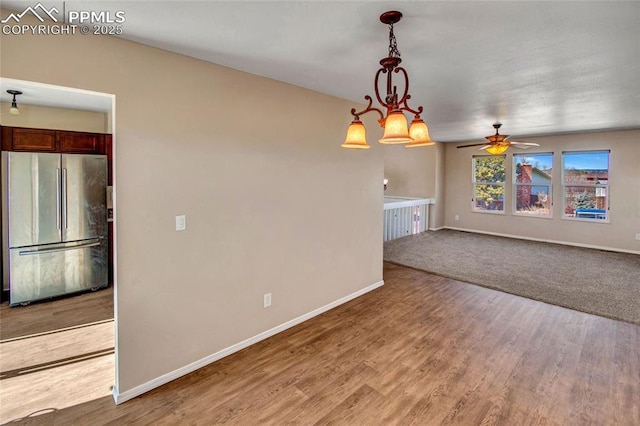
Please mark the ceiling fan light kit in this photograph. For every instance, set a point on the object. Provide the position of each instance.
(392, 119)
(496, 149)
(498, 143)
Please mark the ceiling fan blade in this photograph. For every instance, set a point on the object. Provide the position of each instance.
(484, 147)
(521, 146)
(525, 143)
(473, 144)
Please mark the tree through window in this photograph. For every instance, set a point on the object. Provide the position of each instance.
(488, 183)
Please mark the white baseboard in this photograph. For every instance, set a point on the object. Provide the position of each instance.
(543, 240)
(119, 398)
(437, 229)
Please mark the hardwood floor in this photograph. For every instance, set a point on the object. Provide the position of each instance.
(57, 314)
(56, 354)
(420, 350)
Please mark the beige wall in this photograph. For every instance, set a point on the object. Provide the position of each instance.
(437, 211)
(411, 171)
(416, 172)
(624, 193)
(41, 117)
(273, 204)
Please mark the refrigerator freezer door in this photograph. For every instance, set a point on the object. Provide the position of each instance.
(53, 270)
(84, 209)
(34, 199)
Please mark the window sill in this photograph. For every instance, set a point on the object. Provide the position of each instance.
(498, 212)
(536, 216)
(582, 219)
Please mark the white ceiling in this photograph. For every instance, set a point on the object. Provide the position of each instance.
(538, 67)
(54, 96)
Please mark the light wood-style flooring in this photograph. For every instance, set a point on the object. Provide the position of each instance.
(422, 349)
(56, 354)
(43, 317)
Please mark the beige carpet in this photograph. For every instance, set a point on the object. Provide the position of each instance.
(594, 281)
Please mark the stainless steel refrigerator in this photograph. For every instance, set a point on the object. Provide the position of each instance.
(54, 218)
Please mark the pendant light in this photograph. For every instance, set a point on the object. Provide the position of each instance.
(396, 130)
(14, 105)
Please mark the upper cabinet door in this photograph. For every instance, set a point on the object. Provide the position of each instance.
(34, 140)
(81, 143)
(33, 198)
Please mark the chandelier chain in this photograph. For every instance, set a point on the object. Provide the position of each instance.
(393, 45)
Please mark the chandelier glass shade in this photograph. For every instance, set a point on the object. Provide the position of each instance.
(356, 136)
(419, 132)
(393, 104)
(395, 129)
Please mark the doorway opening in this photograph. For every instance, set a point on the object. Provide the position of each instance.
(61, 352)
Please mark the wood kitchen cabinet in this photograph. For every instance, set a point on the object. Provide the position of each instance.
(82, 143)
(19, 139)
(46, 140)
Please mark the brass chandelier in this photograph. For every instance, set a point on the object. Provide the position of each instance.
(396, 130)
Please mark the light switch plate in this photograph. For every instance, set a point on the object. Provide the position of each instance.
(181, 223)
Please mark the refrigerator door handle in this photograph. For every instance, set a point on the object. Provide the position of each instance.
(64, 198)
(53, 250)
(58, 217)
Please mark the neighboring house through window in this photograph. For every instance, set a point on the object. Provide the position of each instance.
(586, 185)
(532, 184)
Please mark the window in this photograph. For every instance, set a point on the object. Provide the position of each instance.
(532, 175)
(488, 183)
(586, 185)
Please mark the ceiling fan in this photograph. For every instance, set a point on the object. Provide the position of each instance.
(498, 143)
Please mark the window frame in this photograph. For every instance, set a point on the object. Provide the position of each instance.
(475, 183)
(606, 186)
(515, 184)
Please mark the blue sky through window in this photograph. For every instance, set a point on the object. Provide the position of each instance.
(586, 161)
(541, 161)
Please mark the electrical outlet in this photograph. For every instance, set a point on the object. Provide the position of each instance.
(638, 237)
(181, 223)
(457, 217)
(267, 300)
